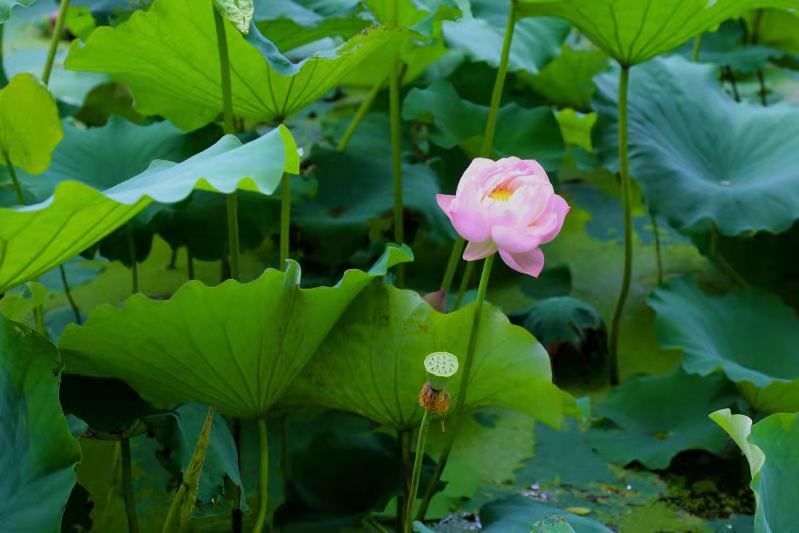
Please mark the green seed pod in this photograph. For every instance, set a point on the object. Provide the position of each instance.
(440, 367)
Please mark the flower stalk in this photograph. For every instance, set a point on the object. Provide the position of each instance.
(234, 252)
(486, 147)
(462, 390)
(626, 194)
(58, 30)
(435, 400)
(360, 114)
(263, 476)
(127, 487)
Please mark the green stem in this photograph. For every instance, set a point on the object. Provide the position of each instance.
(658, 252)
(460, 401)
(466, 280)
(285, 220)
(56, 38)
(263, 476)
(396, 157)
(452, 264)
(134, 266)
(189, 263)
(721, 263)
(224, 71)
(417, 470)
(127, 487)
(21, 199)
(404, 437)
(499, 84)
(233, 235)
(38, 316)
(486, 148)
(14, 180)
(360, 114)
(173, 515)
(229, 127)
(3, 77)
(733, 84)
(697, 49)
(615, 325)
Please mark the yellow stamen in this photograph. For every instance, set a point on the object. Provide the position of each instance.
(501, 194)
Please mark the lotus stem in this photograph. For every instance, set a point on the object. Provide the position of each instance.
(48, 69)
(360, 114)
(58, 30)
(14, 180)
(229, 127)
(615, 325)
(134, 266)
(466, 280)
(396, 158)
(417, 470)
(658, 252)
(127, 487)
(452, 264)
(3, 77)
(697, 49)
(263, 476)
(285, 220)
(486, 148)
(499, 84)
(462, 390)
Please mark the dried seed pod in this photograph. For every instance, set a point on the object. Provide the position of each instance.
(434, 400)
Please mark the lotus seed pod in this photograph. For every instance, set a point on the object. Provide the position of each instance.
(239, 12)
(440, 367)
(434, 400)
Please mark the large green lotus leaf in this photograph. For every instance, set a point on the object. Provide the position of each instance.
(39, 453)
(423, 42)
(518, 514)
(568, 80)
(290, 24)
(168, 58)
(527, 133)
(26, 43)
(235, 346)
(106, 156)
(371, 364)
(772, 449)
(37, 238)
(480, 33)
(701, 157)
(776, 28)
(633, 31)
(29, 124)
(489, 447)
(7, 5)
(652, 424)
(750, 336)
(421, 15)
(592, 247)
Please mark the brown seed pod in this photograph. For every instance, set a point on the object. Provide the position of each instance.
(433, 400)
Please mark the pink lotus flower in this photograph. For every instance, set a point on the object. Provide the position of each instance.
(507, 206)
